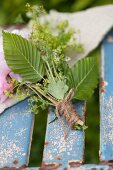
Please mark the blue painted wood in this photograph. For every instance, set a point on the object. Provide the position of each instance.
(57, 149)
(83, 167)
(16, 125)
(93, 167)
(34, 168)
(106, 99)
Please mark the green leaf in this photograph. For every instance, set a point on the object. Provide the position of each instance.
(23, 57)
(58, 89)
(83, 76)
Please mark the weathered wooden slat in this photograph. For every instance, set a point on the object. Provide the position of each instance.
(59, 152)
(16, 125)
(34, 168)
(106, 99)
(82, 167)
(92, 167)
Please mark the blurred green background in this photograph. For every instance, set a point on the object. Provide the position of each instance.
(12, 12)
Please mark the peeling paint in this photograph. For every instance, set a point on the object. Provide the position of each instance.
(109, 163)
(84, 108)
(103, 84)
(74, 164)
(50, 166)
(102, 90)
(46, 143)
(13, 168)
(58, 158)
(15, 162)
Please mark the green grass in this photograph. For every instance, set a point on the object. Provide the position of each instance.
(38, 139)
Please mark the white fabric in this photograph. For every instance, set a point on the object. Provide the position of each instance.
(93, 24)
(7, 103)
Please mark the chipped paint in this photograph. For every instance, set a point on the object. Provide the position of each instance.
(11, 168)
(58, 158)
(103, 85)
(109, 163)
(84, 108)
(102, 91)
(46, 143)
(23, 167)
(74, 164)
(50, 166)
(15, 161)
(91, 167)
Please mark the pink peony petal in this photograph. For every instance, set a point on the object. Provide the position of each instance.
(5, 71)
(2, 98)
(16, 76)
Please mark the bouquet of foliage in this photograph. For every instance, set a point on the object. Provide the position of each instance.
(42, 63)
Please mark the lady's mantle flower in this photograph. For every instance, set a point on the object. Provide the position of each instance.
(5, 72)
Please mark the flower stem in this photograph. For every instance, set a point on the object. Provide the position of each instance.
(50, 70)
(47, 97)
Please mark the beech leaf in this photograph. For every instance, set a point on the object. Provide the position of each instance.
(83, 76)
(23, 57)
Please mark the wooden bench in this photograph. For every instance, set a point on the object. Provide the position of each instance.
(16, 127)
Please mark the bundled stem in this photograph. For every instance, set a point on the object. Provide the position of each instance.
(64, 108)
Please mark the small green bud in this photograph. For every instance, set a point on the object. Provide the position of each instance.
(28, 5)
